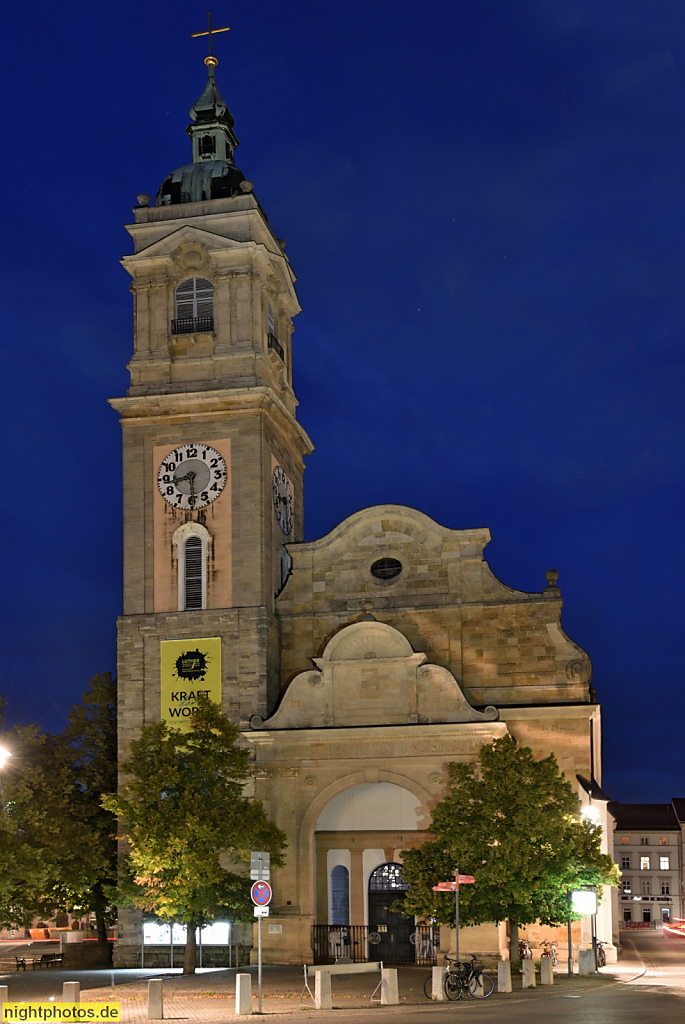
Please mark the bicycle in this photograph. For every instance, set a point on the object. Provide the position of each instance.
(463, 977)
(549, 948)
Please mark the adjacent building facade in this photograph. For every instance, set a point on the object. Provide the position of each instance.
(648, 848)
(358, 665)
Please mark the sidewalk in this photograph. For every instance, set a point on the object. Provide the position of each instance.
(210, 996)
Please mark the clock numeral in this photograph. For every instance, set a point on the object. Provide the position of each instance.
(192, 453)
(192, 500)
(166, 479)
(170, 466)
(218, 474)
(204, 496)
(213, 463)
(170, 490)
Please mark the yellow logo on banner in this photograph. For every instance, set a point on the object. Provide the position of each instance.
(61, 1012)
(188, 667)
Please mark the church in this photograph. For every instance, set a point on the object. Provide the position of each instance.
(357, 665)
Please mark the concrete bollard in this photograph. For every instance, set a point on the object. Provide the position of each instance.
(504, 976)
(546, 971)
(438, 983)
(528, 972)
(323, 999)
(71, 992)
(4, 997)
(390, 993)
(243, 994)
(584, 957)
(155, 999)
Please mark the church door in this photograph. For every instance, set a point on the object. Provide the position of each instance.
(389, 931)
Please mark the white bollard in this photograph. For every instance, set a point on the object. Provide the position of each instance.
(243, 994)
(71, 992)
(546, 971)
(4, 997)
(584, 961)
(528, 972)
(504, 976)
(323, 999)
(155, 999)
(390, 993)
(438, 983)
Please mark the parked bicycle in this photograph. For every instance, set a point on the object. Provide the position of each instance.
(525, 952)
(549, 948)
(601, 954)
(463, 978)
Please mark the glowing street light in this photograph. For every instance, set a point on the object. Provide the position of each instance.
(5, 754)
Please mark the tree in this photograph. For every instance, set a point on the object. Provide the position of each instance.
(187, 824)
(512, 822)
(57, 843)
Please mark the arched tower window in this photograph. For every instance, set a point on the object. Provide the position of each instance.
(192, 547)
(194, 306)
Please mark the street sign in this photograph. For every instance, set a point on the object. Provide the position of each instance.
(260, 865)
(453, 886)
(260, 911)
(261, 894)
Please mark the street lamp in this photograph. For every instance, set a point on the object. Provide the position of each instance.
(4, 755)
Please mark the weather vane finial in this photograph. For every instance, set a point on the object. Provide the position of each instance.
(211, 59)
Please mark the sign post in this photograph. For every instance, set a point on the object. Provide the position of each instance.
(260, 869)
(454, 887)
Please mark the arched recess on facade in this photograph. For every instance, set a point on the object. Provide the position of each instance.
(322, 799)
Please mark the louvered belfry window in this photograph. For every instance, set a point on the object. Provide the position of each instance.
(193, 573)
(194, 306)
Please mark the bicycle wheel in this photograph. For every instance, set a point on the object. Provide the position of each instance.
(453, 986)
(428, 987)
(475, 989)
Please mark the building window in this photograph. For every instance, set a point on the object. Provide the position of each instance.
(665, 888)
(666, 915)
(627, 914)
(663, 841)
(644, 863)
(664, 863)
(194, 306)
(646, 915)
(625, 862)
(192, 546)
(644, 886)
(626, 885)
(644, 841)
(386, 568)
(340, 895)
(625, 840)
(271, 339)
(206, 145)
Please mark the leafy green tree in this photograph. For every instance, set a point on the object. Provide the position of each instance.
(187, 824)
(57, 843)
(512, 822)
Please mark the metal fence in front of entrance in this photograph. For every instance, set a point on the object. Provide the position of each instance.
(359, 943)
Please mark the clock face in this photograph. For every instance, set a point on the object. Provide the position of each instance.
(192, 476)
(283, 500)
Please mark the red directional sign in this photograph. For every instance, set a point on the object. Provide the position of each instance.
(453, 886)
(261, 894)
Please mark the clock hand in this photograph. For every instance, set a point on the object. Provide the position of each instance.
(191, 477)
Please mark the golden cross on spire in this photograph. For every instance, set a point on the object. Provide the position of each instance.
(211, 59)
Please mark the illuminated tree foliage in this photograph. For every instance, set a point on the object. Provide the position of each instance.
(57, 843)
(187, 825)
(512, 822)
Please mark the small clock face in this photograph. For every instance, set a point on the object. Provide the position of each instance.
(192, 476)
(283, 500)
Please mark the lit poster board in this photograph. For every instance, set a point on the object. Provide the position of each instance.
(188, 667)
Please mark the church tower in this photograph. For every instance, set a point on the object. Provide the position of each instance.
(212, 452)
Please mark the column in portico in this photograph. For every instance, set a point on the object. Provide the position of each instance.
(357, 887)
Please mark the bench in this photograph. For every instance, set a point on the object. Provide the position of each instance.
(323, 993)
(20, 962)
(47, 960)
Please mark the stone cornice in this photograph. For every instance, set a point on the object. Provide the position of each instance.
(376, 733)
(146, 410)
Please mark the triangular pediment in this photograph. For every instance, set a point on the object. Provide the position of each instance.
(168, 245)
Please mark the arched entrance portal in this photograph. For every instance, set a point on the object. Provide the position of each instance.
(390, 931)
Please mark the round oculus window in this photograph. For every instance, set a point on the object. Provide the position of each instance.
(386, 569)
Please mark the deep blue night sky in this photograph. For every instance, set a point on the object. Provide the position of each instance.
(485, 207)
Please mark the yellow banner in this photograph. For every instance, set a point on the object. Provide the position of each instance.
(188, 667)
(61, 1011)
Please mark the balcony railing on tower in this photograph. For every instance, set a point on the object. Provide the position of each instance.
(275, 344)
(192, 324)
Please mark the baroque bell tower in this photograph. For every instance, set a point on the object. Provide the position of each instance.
(212, 452)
